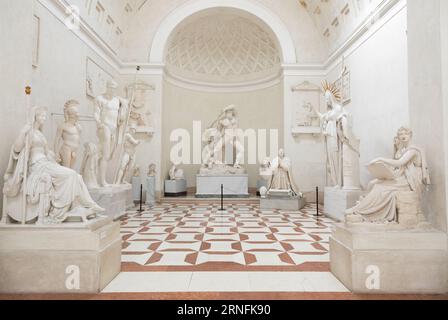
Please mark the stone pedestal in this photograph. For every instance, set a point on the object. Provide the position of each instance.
(115, 199)
(67, 258)
(289, 204)
(337, 201)
(175, 188)
(150, 191)
(375, 259)
(136, 189)
(235, 186)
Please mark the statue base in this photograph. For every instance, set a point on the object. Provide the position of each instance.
(337, 201)
(378, 260)
(175, 188)
(150, 191)
(66, 258)
(235, 186)
(116, 199)
(282, 203)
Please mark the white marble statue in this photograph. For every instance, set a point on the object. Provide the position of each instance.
(110, 115)
(176, 173)
(342, 147)
(399, 186)
(137, 172)
(266, 171)
(68, 136)
(222, 140)
(129, 150)
(282, 179)
(39, 190)
(89, 166)
(152, 170)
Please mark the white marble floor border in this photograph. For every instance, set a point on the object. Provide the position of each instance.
(170, 282)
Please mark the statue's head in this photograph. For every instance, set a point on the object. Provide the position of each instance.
(404, 136)
(281, 153)
(39, 116)
(332, 94)
(71, 110)
(230, 112)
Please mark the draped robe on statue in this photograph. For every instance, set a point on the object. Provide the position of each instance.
(65, 187)
(282, 177)
(381, 203)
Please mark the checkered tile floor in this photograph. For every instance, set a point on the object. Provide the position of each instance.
(200, 237)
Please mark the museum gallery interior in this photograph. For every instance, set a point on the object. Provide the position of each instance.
(224, 148)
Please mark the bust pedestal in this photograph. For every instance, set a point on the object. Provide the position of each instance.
(397, 261)
(175, 188)
(55, 258)
(235, 186)
(338, 200)
(150, 191)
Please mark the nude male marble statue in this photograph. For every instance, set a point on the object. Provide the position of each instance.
(129, 151)
(68, 136)
(110, 115)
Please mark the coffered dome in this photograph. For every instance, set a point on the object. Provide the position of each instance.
(223, 49)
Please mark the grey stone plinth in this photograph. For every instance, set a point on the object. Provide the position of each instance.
(67, 258)
(175, 188)
(378, 260)
(115, 199)
(235, 186)
(151, 191)
(273, 203)
(337, 201)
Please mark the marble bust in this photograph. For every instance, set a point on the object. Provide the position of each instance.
(39, 190)
(152, 170)
(176, 173)
(282, 181)
(68, 135)
(395, 196)
(342, 147)
(266, 170)
(110, 115)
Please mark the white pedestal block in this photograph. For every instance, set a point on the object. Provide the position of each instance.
(337, 201)
(235, 186)
(115, 199)
(136, 189)
(272, 203)
(397, 262)
(68, 258)
(151, 191)
(175, 188)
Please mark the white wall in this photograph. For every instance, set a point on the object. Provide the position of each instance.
(379, 86)
(261, 109)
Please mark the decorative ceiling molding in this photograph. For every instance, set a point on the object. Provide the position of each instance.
(222, 48)
(86, 34)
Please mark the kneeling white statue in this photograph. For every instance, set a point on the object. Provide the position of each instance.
(282, 182)
(37, 187)
(395, 196)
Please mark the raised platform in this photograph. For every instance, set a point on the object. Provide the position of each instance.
(274, 203)
(337, 201)
(376, 259)
(68, 258)
(175, 188)
(115, 199)
(235, 186)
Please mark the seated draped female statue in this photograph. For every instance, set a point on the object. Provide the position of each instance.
(395, 196)
(39, 190)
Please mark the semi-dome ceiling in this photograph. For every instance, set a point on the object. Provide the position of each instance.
(223, 48)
